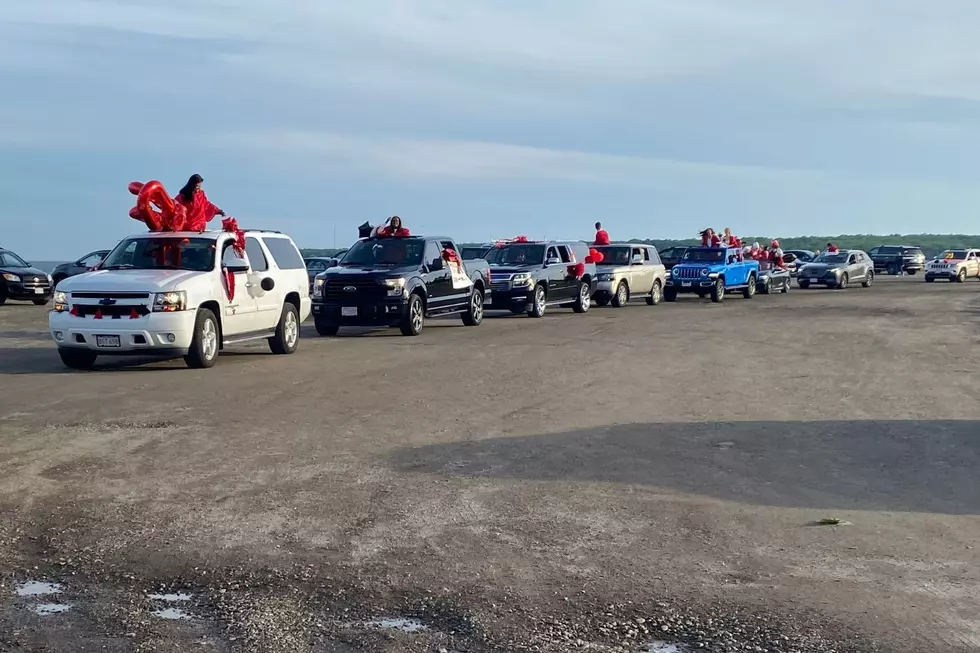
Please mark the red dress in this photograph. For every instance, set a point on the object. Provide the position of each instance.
(199, 211)
(601, 237)
(386, 231)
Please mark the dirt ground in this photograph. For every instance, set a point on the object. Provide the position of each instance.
(629, 478)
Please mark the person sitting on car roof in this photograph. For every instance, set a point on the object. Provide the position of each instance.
(393, 228)
(601, 235)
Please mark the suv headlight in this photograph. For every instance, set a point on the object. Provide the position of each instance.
(704, 273)
(170, 302)
(317, 287)
(523, 279)
(605, 276)
(396, 287)
(60, 297)
(675, 272)
(11, 277)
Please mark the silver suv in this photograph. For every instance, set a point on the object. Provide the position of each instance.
(629, 271)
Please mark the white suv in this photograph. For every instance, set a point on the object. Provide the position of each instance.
(183, 294)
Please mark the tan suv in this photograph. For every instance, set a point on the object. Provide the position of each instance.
(629, 271)
(954, 265)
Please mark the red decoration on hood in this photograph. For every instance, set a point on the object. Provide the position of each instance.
(134, 314)
(98, 314)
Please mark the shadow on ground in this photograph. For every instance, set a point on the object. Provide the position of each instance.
(914, 466)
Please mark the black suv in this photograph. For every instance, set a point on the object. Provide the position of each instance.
(529, 276)
(898, 258)
(399, 282)
(18, 280)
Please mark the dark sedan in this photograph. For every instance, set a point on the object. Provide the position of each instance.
(19, 280)
(84, 264)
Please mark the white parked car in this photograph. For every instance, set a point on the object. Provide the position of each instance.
(183, 294)
(954, 265)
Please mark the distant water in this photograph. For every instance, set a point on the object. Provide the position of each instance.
(47, 266)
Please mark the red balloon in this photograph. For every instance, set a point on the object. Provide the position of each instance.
(596, 255)
(135, 186)
(154, 206)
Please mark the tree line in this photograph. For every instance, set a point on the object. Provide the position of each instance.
(931, 244)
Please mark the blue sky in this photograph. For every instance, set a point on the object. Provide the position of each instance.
(492, 118)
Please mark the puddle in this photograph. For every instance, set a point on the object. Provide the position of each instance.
(50, 608)
(38, 588)
(171, 598)
(662, 647)
(171, 613)
(394, 623)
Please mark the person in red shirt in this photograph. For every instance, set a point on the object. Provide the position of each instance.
(393, 228)
(709, 238)
(832, 248)
(601, 236)
(199, 211)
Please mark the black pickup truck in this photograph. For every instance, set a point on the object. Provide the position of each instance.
(529, 276)
(399, 282)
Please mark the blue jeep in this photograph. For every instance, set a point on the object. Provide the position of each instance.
(712, 271)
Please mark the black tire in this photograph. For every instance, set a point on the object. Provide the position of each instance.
(749, 291)
(656, 294)
(870, 280)
(930, 279)
(911, 273)
(961, 276)
(326, 329)
(538, 302)
(803, 284)
(414, 320)
(718, 291)
(621, 296)
(286, 339)
(670, 294)
(77, 359)
(767, 287)
(786, 287)
(583, 301)
(41, 302)
(206, 342)
(473, 315)
(842, 282)
(3, 295)
(601, 301)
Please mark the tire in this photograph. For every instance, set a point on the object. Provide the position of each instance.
(539, 302)
(656, 294)
(622, 295)
(803, 284)
(961, 276)
(870, 280)
(3, 295)
(286, 339)
(670, 294)
(40, 302)
(718, 291)
(473, 315)
(414, 320)
(911, 273)
(326, 329)
(930, 279)
(583, 301)
(785, 289)
(767, 287)
(77, 359)
(206, 342)
(842, 282)
(749, 291)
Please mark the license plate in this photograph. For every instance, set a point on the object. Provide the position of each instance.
(39, 291)
(814, 280)
(107, 341)
(349, 311)
(686, 284)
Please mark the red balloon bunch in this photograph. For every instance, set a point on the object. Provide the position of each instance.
(155, 208)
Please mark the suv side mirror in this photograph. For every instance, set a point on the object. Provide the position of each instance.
(236, 266)
(435, 265)
(554, 260)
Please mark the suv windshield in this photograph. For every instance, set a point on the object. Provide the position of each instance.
(384, 251)
(145, 253)
(615, 255)
(951, 254)
(516, 255)
(832, 257)
(715, 254)
(12, 260)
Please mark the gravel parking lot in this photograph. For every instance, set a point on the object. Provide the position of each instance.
(623, 479)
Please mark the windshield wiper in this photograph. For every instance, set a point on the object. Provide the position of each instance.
(124, 266)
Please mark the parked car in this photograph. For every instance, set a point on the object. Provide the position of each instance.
(21, 281)
(399, 282)
(837, 270)
(894, 259)
(672, 256)
(628, 271)
(529, 277)
(317, 264)
(954, 265)
(84, 264)
(714, 272)
(794, 258)
(183, 294)
(475, 252)
(773, 279)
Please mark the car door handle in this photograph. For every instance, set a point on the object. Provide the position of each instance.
(249, 285)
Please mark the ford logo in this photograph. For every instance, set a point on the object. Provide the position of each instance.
(350, 288)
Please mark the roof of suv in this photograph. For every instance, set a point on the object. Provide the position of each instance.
(214, 233)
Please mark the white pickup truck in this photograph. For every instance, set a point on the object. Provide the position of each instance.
(183, 294)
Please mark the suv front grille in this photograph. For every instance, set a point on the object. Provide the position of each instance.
(689, 273)
(363, 290)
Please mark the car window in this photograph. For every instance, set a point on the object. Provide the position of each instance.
(256, 257)
(284, 253)
(654, 256)
(316, 266)
(448, 244)
(852, 259)
(433, 254)
(229, 255)
(636, 251)
(92, 259)
(564, 254)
